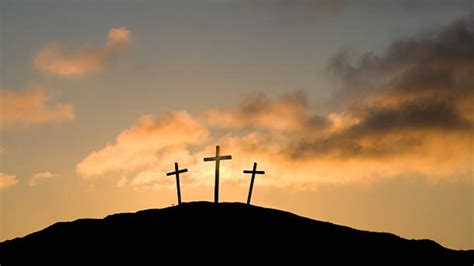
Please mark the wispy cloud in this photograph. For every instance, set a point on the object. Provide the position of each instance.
(39, 177)
(60, 60)
(31, 107)
(7, 180)
(152, 142)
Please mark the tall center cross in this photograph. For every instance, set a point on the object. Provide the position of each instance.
(176, 172)
(217, 158)
(253, 172)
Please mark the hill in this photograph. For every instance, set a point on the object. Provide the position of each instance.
(225, 233)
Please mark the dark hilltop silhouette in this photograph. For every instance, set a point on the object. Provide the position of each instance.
(224, 233)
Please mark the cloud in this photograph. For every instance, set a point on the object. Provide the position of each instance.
(39, 177)
(437, 67)
(7, 181)
(338, 156)
(288, 113)
(60, 60)
(410, 114)
(144, 144)
(31, 107)
(419, 87)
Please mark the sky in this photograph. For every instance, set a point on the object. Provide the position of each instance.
(359, 112)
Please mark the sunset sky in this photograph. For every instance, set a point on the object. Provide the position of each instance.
(360, 112)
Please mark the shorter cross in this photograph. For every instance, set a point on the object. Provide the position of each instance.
(253, 172)
(177, 172)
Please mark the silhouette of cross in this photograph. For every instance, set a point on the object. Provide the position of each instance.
(217, 158)
(253, 172)
(177, 172)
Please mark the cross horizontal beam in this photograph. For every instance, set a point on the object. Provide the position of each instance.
(256, 172)
(224, 157)
(177, 172)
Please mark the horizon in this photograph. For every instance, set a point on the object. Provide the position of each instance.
(359, 113)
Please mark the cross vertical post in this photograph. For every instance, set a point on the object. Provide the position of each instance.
(216, 181)
(177, 172)
(217, 159)
(253, 172)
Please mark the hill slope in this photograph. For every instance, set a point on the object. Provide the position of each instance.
(200, 230)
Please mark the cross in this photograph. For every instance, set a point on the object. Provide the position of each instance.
(218, 158)
(253, 172)
(177, 172)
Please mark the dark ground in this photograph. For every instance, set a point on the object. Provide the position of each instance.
(227, 233)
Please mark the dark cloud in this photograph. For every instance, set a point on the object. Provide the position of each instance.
(420, 114)
(345, 145)
(417, 88)
(260, 103)
(443, 63)
(289, 112)
(414, 72)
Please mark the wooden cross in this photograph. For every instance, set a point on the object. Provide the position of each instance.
(217, 158)
(253, 172)
(177, 172)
